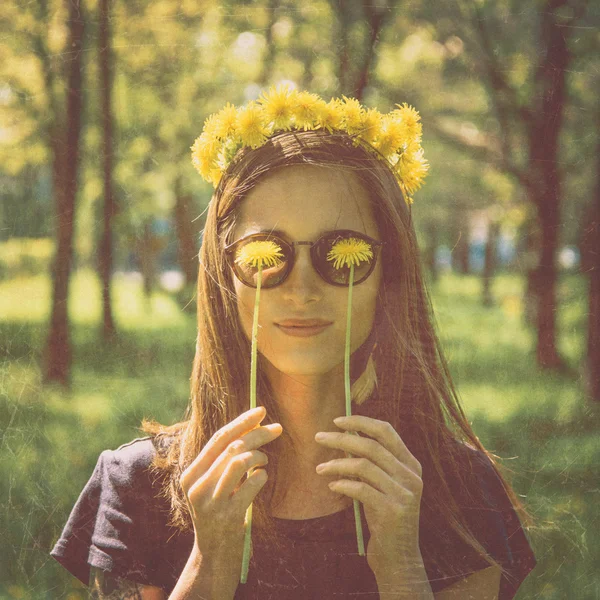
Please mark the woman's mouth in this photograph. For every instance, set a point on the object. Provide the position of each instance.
(303, 327)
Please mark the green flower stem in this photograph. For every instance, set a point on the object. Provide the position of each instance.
(248, 535)
(357, 519)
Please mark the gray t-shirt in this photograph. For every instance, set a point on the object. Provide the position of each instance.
(119, 524)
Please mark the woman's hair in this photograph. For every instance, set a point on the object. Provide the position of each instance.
(415, 392)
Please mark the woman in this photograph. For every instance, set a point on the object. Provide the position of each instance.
(163, 516)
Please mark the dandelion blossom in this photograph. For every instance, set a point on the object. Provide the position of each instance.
(250, 125)
(371, 125)
(411, 120)
(348, 252)
(352, 115)
(225, 122)
(259, 254)
(279, 106)
(327, 116)
(307, 108)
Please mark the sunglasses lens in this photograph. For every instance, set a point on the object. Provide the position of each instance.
(337, 252)
(264, 252)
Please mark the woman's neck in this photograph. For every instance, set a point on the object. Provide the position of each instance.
(307, 405)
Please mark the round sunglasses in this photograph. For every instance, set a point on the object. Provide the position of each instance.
(277, 271)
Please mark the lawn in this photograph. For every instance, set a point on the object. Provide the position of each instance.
(538, 422)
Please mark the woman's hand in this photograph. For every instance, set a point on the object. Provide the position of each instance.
(217, 497)
(389, 486)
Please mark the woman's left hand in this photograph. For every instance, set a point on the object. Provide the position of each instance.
(389, 488)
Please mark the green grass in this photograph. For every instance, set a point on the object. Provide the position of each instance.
(538, 422)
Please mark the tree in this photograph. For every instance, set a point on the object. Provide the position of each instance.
(529, 118)
(593, 243)
(65, 155)
(106, 244)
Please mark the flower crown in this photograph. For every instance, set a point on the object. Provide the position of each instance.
(394, 137)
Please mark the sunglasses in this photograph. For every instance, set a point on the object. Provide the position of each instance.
(276, 273)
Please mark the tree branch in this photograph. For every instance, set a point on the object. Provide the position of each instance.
(504, 96)
(480, 148)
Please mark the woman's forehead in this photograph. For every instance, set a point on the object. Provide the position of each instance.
(305, 201)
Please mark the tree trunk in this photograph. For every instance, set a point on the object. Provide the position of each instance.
(374, 19)
(593, 341)
(147, 249)
(65, 170)
(489, 265)
(545, 191)
(106, 243)
(530, 259)
(187, 249)
(546, 282)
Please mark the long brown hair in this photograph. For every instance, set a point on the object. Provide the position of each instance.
(414, 389)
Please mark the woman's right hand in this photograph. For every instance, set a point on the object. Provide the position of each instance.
(217, 497)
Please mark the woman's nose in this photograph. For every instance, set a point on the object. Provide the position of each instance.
(303, 284)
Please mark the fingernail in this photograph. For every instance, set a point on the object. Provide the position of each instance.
(320, 468)
(338, 420)
(320, 436)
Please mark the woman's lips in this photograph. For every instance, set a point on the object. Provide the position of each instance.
(302, 330)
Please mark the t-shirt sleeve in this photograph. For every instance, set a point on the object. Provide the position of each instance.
(107, 526)
(489, 514)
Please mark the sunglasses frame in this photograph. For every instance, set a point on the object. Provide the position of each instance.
(289, 249)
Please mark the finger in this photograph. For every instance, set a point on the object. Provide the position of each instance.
(365, 470)
(261, 435)
(248, 491)
(385, 434)
(360, 491)
(360, 446)
(219, 441)
(250, 441)
(375, 452)
(235, 470)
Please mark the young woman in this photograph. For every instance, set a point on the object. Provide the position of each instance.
(163, 516)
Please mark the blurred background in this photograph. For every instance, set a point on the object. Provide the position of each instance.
(101, 217)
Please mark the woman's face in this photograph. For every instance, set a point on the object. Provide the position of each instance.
(303, 202)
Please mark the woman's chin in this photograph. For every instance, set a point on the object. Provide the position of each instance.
(304, 365)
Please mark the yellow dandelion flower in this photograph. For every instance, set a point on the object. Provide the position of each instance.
(250, 125)
(327, 116)
(259, 254)
(412, 169)
(306, 111)
(371, 125)
(205, 152)
(351, 251)
(225, 123)
(279, 106)
(210, 125)
(391, 136)
(411, 120)
(352, 115)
